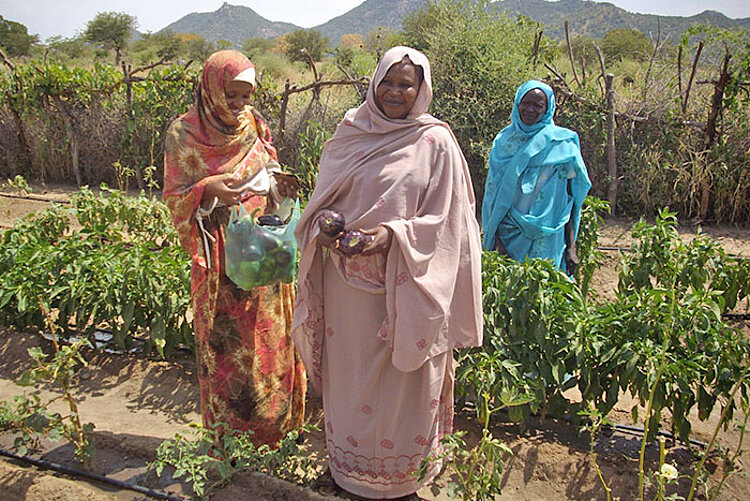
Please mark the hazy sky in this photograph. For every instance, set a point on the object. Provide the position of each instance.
(68, 17)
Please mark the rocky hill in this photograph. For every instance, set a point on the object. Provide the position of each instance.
(595, 19)
(368, 16)
(230, 22)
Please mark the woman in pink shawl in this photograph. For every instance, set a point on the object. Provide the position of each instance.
(377, 330)
(219, 154)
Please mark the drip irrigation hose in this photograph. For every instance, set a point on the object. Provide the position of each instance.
(74, 472)
(636, 430)
(37, 198)
(624, 428)
(630, 249)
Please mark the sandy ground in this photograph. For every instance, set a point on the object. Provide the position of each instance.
(136, 403)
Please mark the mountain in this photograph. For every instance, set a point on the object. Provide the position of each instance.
(230, 22)
(595, 19)
(369, 15)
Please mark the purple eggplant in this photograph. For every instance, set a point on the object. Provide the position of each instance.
(270, 220)
(331, 222)
(352, 242)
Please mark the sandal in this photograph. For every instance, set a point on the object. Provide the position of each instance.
(326, 485)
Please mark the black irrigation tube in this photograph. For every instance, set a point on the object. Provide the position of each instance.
(635, 430)
(36, 198)
(48, 465)
(632, 430)
(630, 249)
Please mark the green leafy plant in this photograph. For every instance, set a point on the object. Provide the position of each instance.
(477, 472)
(27, 417)
(587, 242)
(311, 142)
(593, 422)
(30, 416)
(209, 457)
(123, 271)
(532, 314)
(19, 185)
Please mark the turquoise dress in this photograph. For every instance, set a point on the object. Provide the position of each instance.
(536, 182)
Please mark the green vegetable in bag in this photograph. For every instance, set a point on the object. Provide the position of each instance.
(258, 255)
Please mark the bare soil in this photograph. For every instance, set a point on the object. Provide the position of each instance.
(136, 403)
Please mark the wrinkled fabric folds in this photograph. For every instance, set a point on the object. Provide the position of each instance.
(526, 198)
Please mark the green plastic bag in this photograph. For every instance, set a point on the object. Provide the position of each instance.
(257, 255)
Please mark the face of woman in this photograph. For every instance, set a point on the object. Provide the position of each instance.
(397, 92)
(237, 95)
(532, 106)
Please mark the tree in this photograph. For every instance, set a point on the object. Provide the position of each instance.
(224, 44)
(65, 49)
(163, 45)
(197, 48)
(256, 46)
(478, 60)
(418, 25)
(351, 41)
(303, 45)
(379, 39)
(15, 39)
(584, 48)
(111, 31)
(626, 43)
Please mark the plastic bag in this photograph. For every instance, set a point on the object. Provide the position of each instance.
(257, 255)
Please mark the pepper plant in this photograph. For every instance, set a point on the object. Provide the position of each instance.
(123, 270)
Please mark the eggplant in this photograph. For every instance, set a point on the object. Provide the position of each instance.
(270, 220)
(268, 242)
(331, 222)
(352, 242)
(251, 253)
(282, 258)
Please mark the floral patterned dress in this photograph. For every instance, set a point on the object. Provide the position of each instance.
(250, 375)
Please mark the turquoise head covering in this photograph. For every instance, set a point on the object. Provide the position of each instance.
(545, 120)
(518, 147)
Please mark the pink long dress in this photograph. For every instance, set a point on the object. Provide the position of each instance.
(377, 333)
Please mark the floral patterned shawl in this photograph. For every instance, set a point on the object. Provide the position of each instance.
(210, 140)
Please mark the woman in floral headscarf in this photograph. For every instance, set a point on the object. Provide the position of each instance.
(219, 154)
(536, 184)
(377, 330)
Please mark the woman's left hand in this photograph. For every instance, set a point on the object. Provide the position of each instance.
(381, 240)
(571, 259)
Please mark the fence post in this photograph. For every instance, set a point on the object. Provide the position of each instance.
(282, 113)
(611, 153)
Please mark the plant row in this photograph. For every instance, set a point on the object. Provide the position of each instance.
(663, 338)
(118, 267)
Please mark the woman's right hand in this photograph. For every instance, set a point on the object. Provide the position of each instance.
(221, 186)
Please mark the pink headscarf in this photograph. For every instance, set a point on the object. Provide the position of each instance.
(409, 175)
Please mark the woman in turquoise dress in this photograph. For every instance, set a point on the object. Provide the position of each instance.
(536, 184)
